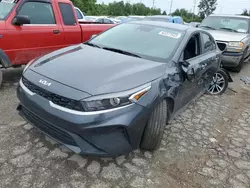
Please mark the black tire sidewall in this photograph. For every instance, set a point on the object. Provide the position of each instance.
(153, 132)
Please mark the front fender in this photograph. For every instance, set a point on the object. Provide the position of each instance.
(4, 59)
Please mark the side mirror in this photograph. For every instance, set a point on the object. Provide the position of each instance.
(20, 20)
(189, 71)
(93, 36)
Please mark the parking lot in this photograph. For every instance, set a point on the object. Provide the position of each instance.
(208, 145)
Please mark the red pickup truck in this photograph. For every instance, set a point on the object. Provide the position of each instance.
(32, 28)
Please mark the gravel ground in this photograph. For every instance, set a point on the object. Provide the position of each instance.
(207, 146)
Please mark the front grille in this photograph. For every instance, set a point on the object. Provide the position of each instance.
(222, 46)
(56, 99)
(49, 129)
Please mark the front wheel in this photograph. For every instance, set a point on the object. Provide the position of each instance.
(219, 83)
(154, 130)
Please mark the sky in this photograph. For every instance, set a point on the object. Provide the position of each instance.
(224, 6)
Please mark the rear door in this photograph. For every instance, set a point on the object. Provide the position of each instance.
(71, 29)
(41, 36)
(210, 58)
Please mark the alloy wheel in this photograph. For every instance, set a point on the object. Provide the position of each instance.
(217, 84)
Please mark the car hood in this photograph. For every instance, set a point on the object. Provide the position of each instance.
(227, 36)
(97, 71)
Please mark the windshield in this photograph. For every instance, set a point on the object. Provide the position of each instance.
(146, 41)
(226, 23)
(5, 8)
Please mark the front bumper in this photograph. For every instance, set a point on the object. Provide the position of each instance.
(231, 59)
(105, 134)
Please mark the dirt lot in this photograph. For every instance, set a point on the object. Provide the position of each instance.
(207, 146)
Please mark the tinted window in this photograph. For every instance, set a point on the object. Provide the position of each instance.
(99, 20)
(38, 12)
(79, 15)
(67, 14)
(107, 21)
(152, 42)
(209, 44)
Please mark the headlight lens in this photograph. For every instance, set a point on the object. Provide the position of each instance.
(111, 101)
(235, 46)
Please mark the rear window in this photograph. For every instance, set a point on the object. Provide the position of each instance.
(67, 14)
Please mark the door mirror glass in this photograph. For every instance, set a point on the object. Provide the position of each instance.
(21, 20)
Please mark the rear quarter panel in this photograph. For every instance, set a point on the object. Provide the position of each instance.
(92, 29)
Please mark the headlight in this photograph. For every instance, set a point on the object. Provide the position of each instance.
(235, 46)
(110, 101)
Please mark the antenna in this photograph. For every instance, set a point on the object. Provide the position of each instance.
(194, 9)
(171, 4)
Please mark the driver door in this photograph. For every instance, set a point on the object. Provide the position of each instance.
(192, 71)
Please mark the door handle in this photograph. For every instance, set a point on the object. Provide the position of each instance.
(56, 31)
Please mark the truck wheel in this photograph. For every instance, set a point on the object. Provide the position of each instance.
(1, 77)
(219, 83)
(239, 67)
(154, 130)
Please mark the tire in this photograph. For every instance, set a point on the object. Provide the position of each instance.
(221, 74)
(154, 129)
(239, 67)
(1, 77)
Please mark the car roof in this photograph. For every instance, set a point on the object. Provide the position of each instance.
(230, 15)
(180, 27)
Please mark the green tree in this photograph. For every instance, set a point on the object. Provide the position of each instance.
(207, 7)
(86, 6)
(245, 12)
(164, 13)
(187, 16)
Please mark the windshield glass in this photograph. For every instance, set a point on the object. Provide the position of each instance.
(5, 8)
(226, 23)
(149, 42)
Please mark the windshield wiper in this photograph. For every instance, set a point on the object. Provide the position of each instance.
(229, 29)
(121, 51)
(91, 44)
(206, 26)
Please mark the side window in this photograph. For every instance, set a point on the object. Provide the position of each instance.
(209, 44)
(79, 15)
(192, 48)
(38, 12)
(107, 21)
(99, 20)
(67, 14)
